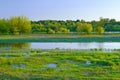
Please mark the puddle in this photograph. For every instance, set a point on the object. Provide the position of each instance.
(15, 66)
(18, 66)
(44, 52)
(27, 55)
(51, 65)
(88, 62)
(43, 69)
(70, 61)
(22, 65)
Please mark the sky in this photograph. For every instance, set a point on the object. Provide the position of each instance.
(61, 9)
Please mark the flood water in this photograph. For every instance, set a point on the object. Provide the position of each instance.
(60, 45)
(91, 45)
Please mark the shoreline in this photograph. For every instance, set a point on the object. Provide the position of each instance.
(58, 38)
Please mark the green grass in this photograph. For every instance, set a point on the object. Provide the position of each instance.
(59, 38)
(70, 65)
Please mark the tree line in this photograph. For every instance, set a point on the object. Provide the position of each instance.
(15, 25)
(22, 25)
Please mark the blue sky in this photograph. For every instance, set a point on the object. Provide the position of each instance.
(61, 9)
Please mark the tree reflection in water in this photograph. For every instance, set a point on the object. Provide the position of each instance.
(14, 47)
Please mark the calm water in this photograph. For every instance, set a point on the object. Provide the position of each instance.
(91, 45)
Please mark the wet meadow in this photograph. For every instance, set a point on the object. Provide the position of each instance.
(21, 62)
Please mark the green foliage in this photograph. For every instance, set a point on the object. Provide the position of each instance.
(80, 27)
(20, 25)
(100, 30)
(38, 28)
(15, 25)
(88, 28)
(50, 31)
(4, 26)
(84, 27)
(64, 30)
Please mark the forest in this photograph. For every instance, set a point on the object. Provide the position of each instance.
(23, 25)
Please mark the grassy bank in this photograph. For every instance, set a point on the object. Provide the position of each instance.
(60, 65)
(59, 38)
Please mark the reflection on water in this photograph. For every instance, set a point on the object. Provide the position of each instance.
(8, 47)
(14, 45)
(59, 45)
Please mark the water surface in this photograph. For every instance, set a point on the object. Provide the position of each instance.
(91, 45)
(59, 45)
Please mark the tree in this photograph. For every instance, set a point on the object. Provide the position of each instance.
(88, 28)
(50, 31)
(94, 25)
(37, 28)
(79, 27)
(4, 26)
(20, 24)
(64, 30)
(100, 30)
(56, 26)
(84, 27)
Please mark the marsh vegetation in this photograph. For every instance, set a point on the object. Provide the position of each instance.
(60, 64)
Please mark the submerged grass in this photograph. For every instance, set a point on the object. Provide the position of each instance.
(60, 65)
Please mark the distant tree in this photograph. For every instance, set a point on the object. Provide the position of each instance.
(20, 24)
(56, 26)
(79, 27)
(71, 25)
(103, 21)
(100, 30)
(94, 25)
(4, 26)
(82, 21)
(84, 27)
(64, 30)
(50, 31)
(116, 27)
(38, 28)
(88, 28)
(112, 21)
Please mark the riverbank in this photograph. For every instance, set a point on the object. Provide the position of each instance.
(59, 38)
